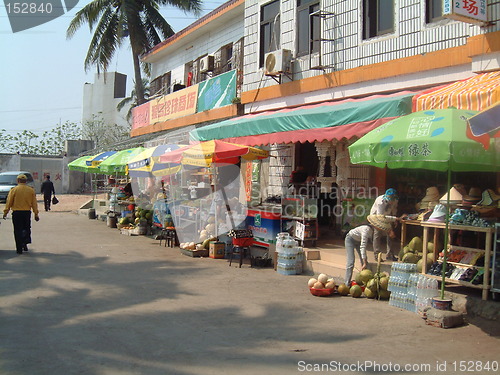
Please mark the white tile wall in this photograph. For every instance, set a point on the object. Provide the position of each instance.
(348, 51)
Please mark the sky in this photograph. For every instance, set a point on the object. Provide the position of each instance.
(42, 73)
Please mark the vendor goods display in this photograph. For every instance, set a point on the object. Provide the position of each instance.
(412, 252)
(322, 286)
(373, 285)
(430, 200)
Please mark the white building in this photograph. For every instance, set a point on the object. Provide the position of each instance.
(101, 98)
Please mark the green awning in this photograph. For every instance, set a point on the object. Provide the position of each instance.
(311, 122)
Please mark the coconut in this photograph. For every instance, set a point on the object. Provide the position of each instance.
(355, 291)
(343, 289)
(318, 285)
(416, 244)
(369, 293)
(311, 282)
(384, 294)
(410, 258)
(401, 254)
(330, 285)
(372, 285)
(366, 275)
(384, 283)
(358, 279)
(322, 278)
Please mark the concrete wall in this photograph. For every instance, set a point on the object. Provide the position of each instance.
(65, 181)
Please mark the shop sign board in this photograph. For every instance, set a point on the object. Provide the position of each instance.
(470, 11)
(140, 116)
(264, 225)
(178, 104)
(217, 92)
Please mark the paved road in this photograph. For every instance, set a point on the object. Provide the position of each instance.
(87, 300)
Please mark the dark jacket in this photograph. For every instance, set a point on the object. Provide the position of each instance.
(47, 188)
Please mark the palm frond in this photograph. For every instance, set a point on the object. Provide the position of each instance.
(105, 41)
(89, 14)
(192, 6)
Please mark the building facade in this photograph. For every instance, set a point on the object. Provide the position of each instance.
(101, 98)
(314, 75)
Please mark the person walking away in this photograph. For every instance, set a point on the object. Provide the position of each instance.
(21, 200)
(386, 204)
(358, 239)
(47, 189)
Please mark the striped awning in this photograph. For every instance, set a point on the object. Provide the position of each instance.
(475, 93)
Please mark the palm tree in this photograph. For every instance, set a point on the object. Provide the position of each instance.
(131, 100)
(114, 21)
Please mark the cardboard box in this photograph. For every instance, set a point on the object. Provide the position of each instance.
(216, 250)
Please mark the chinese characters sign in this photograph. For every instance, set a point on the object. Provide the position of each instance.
(419, 127)
(472, 11)
(140, 116)
(177, 104)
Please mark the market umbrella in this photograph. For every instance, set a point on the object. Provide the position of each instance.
(147, 164)
(214, 153)
(117, 163)
(431, 139)
(204, 154)
(79, 164)
(485, 125)
(96, 160)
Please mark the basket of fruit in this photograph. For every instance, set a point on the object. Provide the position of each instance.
(322, 286)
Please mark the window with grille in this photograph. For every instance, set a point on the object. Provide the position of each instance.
(269, 29)
(308, 27)
(161, 85)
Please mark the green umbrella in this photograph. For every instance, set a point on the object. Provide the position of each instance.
(80, 164)
(431, 139)
(117, 163)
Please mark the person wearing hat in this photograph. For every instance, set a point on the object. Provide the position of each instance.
(21, 200)
(47, 189)
(358, 238)
(386, 204)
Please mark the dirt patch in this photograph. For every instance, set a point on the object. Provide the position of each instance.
(67, 202)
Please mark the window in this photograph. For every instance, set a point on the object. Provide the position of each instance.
(433, 10)
(269, 29)
(160, 85)
(308, 28)
(378, 18)
(227, 58)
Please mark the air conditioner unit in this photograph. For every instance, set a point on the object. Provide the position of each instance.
(277, 62)
(206, 64)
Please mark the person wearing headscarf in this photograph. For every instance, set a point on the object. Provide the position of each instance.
(385, 204)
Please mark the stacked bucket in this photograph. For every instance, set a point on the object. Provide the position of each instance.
(290, 255)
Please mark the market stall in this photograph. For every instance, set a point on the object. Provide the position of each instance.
(433, 140)
(214, 214)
